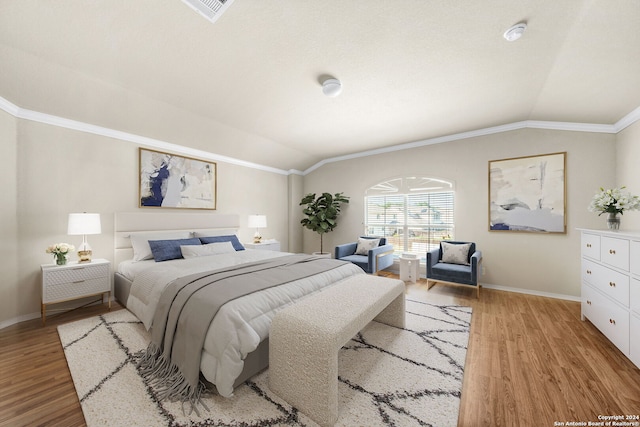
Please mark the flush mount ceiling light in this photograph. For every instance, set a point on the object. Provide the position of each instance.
(515, 32)
(331, 87)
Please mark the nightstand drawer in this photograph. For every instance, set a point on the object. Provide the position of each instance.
(66, 291)
(53, 276)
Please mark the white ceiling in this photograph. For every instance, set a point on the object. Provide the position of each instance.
(411, 69)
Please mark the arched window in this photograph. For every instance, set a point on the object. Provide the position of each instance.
(413, 213)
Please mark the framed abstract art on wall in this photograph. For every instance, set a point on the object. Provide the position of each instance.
(172, 181)
(528, 194)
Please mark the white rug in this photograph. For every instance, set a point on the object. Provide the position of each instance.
(388, 376)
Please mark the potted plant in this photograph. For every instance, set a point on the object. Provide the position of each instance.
(322, 212)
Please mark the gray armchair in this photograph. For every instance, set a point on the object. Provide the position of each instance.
(375, 259)
(459, 267)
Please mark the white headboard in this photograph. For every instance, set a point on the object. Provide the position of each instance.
(126, 223)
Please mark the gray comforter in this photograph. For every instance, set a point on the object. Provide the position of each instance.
(171, 363)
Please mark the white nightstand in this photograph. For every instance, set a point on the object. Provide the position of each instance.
(409, 269)
(74, 280)
(268, 245)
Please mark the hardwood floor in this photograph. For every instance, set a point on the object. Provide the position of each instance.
(531, 362)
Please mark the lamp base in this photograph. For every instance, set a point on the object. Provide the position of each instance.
(257, 238)
(84, 256)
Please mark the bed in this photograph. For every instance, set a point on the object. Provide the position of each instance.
(236, 345)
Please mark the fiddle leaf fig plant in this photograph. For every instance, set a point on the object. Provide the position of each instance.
(321, 213)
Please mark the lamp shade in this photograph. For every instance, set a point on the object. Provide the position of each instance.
(257, 221)
(84, 223)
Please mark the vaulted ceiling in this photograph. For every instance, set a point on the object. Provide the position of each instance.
(411, 69)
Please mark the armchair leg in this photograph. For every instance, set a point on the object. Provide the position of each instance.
(478, 291)
(430, 283)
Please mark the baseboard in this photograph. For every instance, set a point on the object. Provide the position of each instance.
(23, 318)
(31, 316)
(519, 290)
(531, 292)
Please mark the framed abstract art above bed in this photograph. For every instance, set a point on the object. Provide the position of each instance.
(528, 194)
(172, 181)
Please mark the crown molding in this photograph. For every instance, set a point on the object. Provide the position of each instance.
(49, 119)
(22, 113)
(530, 124)
(628, 120)
(9, 107)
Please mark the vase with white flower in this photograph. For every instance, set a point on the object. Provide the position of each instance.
(614, 201)
(60, 252)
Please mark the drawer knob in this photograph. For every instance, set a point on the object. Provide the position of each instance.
(588, 271)
(612, 251)
(612, 284)
(588, 245)
(588, 302)
(613, 322)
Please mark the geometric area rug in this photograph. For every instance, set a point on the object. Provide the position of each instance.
(387, 376)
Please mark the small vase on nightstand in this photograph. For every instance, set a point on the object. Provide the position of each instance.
(61, 259)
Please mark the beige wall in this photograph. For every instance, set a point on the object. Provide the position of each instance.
(60, 171)
(628, 170)
(8, 219)
(533, 262)
(51, 171)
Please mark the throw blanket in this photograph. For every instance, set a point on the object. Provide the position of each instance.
(188, 305)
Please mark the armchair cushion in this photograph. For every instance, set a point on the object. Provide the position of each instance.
(455, 253)
(369, 262)
(365, 245)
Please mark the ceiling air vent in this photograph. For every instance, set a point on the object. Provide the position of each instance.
(210, 9)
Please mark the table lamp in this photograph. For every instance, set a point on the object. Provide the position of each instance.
(84, 224)
(257, 222)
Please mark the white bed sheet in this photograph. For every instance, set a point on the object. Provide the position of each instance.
(241, 324)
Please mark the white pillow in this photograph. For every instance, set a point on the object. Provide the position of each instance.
(455, 254)
(365, 245)
(140, 241)
(193, 251)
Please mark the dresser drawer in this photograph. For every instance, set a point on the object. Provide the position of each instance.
(610, 319)
(67, 291)
(634, 257)
(613, 284)
(589, 270)
(53, 276)
(615, 252)
(634, 340)
(590, 245)
(634, 297)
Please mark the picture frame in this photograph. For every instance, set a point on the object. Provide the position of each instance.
(172, 181)
(528, 194)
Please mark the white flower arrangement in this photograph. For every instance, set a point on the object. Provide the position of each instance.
(614, 200)
(60, 249)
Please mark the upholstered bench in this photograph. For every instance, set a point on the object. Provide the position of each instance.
(305, 339)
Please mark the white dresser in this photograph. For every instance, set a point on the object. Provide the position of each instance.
(611, 287)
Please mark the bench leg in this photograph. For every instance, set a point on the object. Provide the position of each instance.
(306, 377)
(394, 313)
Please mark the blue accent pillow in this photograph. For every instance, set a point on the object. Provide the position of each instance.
(230, 238)
(164, 250)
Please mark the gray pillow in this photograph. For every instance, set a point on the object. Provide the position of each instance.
(455, 253)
